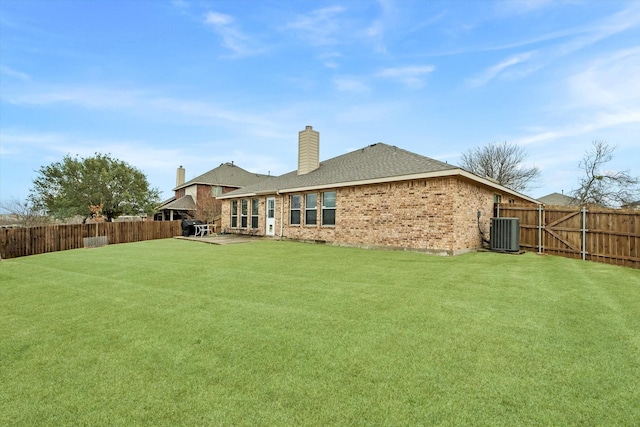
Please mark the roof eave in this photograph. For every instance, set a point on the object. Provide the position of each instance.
(425, 175)
(502, 188)
(206, 183)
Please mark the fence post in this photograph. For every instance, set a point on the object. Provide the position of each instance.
(539, 229)
(584, 233)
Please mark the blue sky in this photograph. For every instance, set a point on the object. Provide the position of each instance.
(160, 84)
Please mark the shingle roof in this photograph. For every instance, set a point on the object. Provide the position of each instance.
(558, 199)
(376, 161)
(227, 175)
(165, 202)
(632, 205)
(184, 203)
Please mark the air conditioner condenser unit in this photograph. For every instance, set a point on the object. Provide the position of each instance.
(505, 234)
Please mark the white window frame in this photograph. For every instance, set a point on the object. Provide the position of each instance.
(308, 209)
(298, 209)
(255, 209)
(244, 211)
(326, 208)
(234, 213)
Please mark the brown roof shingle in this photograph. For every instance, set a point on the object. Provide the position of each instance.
(375, 161)
(184, 203)
(226, 175)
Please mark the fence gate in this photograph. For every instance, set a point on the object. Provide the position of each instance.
(564, 232)
(611, 236)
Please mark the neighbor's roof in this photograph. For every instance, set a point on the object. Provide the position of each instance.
(373, 164)
(558, 199)
(225, 175)
(632, 205)
(165, 202)
(184, 203)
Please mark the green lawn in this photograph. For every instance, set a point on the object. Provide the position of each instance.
(173, 332)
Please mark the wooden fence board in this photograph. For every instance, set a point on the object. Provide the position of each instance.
(610, 236)
(17, 242)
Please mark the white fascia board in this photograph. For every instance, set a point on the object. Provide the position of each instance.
(188, 184)
(492, 184)
(226, 196)
(426, 175)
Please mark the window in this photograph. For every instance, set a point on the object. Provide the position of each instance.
(497, 199)
(271, 208)
(254, 213)
(243, 213)
(234, 213)
(216, 191)
(329, 208)
(295, 209)
(310, 208)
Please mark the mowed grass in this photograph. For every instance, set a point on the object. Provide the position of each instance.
(270, 333)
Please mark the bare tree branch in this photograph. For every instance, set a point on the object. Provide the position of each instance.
(24, 214)
(602, 187)
(502, 162)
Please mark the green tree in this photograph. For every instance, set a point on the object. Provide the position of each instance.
(68, 187)
(502, 162)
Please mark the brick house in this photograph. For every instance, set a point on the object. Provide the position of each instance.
(377, 196)
(557, 199)
(196, 198)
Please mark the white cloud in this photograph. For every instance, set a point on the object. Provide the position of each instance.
(603, 96)
(232, 37)
(588, 126)
(411, 76)
(16, 143)
(218, 19)
(611, 80)
(368, 113)
(53, 146)
(347, 84)
(10, 72)
(138, 102)
(570, 41)
(376, 31)
(602, 101)
(517, 7)
(321, 27)
(91, 97)
(207, 111)
(156, 162)
(496, 70)
(330, 59)
(180, 4)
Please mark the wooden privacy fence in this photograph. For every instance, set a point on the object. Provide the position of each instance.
(594, 234)
(17, 242)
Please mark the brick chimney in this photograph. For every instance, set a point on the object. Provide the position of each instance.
(180, 176)
(308, 150)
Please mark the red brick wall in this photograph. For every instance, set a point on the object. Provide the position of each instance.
(260, 231)
(435, 215)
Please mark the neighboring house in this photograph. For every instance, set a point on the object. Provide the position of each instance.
(377, 196)
(557, 199)
(632, 205)
(196, 198)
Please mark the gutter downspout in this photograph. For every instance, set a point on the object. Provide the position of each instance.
(281, 212)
